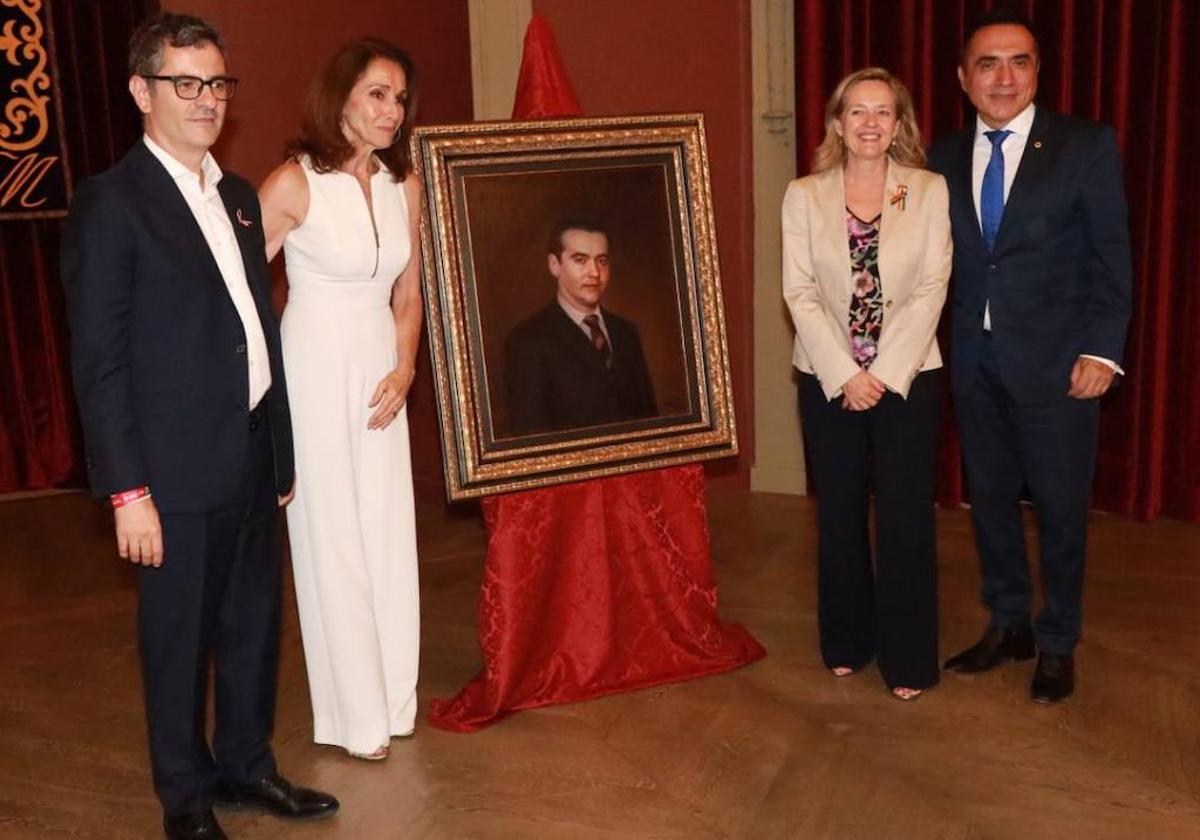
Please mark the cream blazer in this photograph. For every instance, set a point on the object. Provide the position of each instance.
(914, 270)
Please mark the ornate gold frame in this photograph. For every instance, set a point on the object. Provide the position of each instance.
(440, 155)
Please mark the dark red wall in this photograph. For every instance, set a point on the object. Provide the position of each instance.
(674, 56)
(276, 47)
(623, 58)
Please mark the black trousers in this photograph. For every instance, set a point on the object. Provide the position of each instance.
(886, 610)
(1051, 449)
(214, 599)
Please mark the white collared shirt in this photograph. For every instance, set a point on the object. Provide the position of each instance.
(1013, 149)
(577, 315)
(213, 219)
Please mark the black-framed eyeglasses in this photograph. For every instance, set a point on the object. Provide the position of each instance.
(190, 87)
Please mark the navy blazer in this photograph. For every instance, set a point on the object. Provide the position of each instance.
(158, 350)
(557, 380)
(1058, 281)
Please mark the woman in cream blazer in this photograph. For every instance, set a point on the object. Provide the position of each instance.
(866, 261)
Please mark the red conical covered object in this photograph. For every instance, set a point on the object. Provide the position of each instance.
(543, 89)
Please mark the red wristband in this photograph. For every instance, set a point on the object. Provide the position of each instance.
(129, 496)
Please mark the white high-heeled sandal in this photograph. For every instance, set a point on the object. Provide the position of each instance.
(379, 754)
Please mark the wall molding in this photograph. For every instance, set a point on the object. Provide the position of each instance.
(497, 39)
(779, 450)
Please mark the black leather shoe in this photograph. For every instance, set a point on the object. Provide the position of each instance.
(999, 644)
(201, 826)
(276, 795)
(1054, 678)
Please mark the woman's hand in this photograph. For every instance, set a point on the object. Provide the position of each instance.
(390, 395)
(862, 392)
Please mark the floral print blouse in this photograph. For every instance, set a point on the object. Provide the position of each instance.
(866, 304)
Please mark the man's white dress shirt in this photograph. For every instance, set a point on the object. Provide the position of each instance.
(1013, 149)
(209, 211)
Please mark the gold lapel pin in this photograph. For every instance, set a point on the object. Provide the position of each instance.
(1037, 144)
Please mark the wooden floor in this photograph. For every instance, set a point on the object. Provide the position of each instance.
(777, 750)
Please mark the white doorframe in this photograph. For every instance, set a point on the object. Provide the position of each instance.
(497, 39)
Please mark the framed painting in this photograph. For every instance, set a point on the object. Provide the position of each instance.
(573, 298)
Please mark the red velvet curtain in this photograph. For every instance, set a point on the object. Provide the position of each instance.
(39, 435)
(1121, 61)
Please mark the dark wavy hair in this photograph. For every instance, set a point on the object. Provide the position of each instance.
(320, 136)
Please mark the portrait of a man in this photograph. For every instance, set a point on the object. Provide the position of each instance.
(573, 300)
(574, 363)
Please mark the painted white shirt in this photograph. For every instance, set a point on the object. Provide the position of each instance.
(577, 315)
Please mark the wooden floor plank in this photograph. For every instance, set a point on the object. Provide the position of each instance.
(780, 749)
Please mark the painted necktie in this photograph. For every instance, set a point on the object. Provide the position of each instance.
(991, 197)
(598, 339)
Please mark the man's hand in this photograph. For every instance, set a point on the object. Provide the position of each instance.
(291, 494)
(139, 533)
(1089, 379)
(862, 392)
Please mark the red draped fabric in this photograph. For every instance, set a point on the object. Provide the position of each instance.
(599, 586)
(39, 436)
(1121, 61)
(595, 588)
(543, 88)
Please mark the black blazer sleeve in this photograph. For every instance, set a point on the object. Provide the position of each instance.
(1109, 263)
(98, 276)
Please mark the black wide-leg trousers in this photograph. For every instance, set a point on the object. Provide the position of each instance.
(215, 599)
(887, 609)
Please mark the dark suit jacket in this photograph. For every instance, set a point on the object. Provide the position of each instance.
(557, 380)
(1058, 281)
(158, 350)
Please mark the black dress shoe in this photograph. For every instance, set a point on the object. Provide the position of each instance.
(1054, 678)
(201, 826)
(999, 644)
(276, 795)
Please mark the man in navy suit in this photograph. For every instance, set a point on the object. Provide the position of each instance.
(1041, 300)
(572, 364)
(175, 352)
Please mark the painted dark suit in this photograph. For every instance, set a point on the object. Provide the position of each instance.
(161, 374)
(1057, 286)
(558, 380)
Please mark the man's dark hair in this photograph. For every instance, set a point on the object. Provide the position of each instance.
(587, 225)
(167, 29)
(1000, 16)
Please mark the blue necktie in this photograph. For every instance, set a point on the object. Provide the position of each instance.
(991, 197)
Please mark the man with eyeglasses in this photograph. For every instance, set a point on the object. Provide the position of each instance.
(176, 360)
